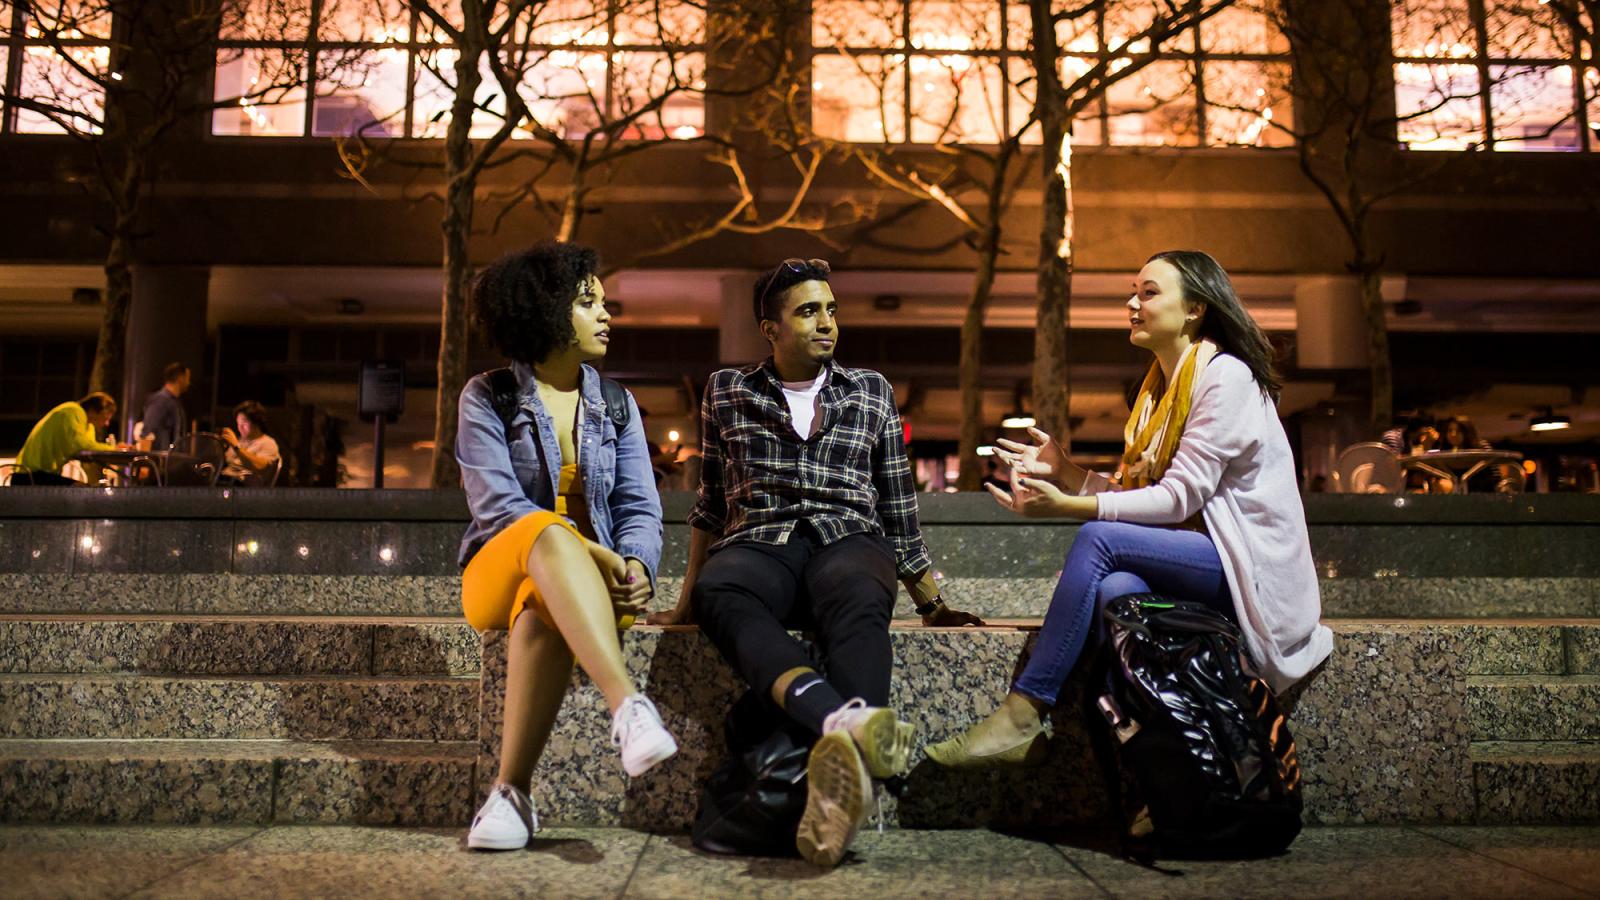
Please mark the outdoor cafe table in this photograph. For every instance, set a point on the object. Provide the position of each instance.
(125, 460)
(1459, 465)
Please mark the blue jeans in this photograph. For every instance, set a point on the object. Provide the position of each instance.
(1108, 560)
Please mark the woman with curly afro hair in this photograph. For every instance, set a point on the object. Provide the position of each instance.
(566, 521)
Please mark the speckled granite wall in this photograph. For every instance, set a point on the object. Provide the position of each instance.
(1384, 732)
(943, 682)
(1003, 598)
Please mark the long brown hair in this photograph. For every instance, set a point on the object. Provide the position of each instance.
(1226, 322)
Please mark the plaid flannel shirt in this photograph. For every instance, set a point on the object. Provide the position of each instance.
(758, 479)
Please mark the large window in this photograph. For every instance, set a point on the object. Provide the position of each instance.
(56, 52)
(378, 68)
(959, 71)
(1497, 74)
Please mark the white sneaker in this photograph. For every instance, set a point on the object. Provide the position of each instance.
(637, 729)
(884, 741)
(507, 821)
(838, 790)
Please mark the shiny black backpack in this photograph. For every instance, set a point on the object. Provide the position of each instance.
(1172, 699)
(752, 803)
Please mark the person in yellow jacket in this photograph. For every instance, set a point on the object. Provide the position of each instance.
(63, 433)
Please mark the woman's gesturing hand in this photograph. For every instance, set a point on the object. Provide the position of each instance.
(1032, 497)
(1044, 459)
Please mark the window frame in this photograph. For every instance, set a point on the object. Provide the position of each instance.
(415, 48)
(1484, 63)
(16, 43)
(1194, 60)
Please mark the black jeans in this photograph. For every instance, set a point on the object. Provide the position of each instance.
(749, 595)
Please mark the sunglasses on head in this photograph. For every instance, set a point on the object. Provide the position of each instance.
(797, 265)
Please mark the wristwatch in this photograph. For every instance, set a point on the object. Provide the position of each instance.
(926, 609)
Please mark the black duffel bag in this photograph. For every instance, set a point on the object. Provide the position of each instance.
(753, 801)
(1173, 698)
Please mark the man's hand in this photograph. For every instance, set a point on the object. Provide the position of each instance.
(229, 438)
(945, 617)
(677, 615)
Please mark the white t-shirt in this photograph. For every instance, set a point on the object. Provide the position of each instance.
(262, 446)
(802, 399)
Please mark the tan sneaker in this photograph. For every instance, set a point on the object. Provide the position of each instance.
(884, 741)
(838, 791)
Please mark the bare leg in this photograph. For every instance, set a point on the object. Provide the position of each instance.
(538, 669)
(576, 597)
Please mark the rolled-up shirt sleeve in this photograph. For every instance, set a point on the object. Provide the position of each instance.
(897, 496)
(493, 493)
(710, 511)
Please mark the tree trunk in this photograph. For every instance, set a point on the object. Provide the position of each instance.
(1051, 393)
(571, 210)
(111, 344)
(1379, 361)
(457, 228)
(112, 341)
(970, 374)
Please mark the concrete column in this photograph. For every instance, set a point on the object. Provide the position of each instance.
(1330, 331)
(166, 323)
(739, 341)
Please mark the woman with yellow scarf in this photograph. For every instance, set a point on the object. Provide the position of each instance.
(1204, 505)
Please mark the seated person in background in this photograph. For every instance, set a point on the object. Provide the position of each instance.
(1415, 433)
(165, 419)
(63, 433)
(252, 452)
(1458, 433)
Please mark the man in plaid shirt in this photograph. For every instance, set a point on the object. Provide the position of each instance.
(807, 516)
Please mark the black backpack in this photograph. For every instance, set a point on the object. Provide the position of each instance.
(752, 803)
(503, 392)
(1171, 698)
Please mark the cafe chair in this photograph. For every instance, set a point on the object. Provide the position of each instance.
(10, 470)
(269, 478)
(1369, 469)
(202, 465)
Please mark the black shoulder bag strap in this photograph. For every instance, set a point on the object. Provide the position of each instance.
(616, 397)
(504, 392)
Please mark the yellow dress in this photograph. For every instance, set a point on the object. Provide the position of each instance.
(496, 587)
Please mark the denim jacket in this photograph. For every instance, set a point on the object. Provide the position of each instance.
(507, 477)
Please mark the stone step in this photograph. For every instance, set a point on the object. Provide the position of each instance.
(1383, 731)
(237, 645)
(1534, 707)
(1537, 782)
(364, 645)
(195, 782)
(124, 706)
(1023, 596)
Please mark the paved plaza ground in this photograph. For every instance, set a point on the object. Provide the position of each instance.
(350, 862)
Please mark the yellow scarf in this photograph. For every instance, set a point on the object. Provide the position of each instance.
(1155, 426)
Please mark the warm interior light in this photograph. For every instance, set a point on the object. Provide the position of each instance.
(986, 450)
(674, 436)
(1529, 467)
(1549, 421)
(1018, 420)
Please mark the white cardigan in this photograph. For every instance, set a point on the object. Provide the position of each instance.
(1233, 464)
